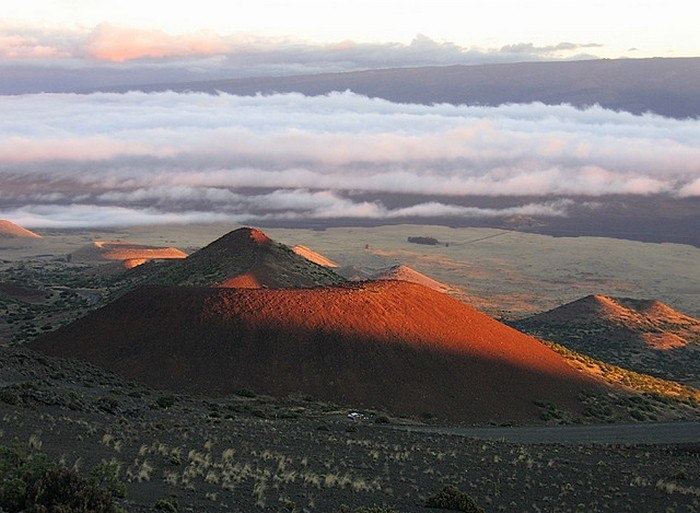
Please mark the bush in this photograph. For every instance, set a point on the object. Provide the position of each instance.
(9, 397)
(429, 241)
(169, 505)
(32, 484)
(382, 419)
(245, 392)
(165, 401)
(452, 498)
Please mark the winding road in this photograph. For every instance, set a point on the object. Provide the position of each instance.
(628, 434)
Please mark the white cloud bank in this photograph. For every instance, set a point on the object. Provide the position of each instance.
(135, 158)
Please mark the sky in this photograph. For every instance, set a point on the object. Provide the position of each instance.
(68, 45)
(87, 31)
(107, 159)
(653, 28)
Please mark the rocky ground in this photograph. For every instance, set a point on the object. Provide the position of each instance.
(252, 453)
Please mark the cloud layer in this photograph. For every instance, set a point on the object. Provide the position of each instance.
(107, 159)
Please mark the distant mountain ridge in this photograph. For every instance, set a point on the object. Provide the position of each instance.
(664, 86)
(643, 335)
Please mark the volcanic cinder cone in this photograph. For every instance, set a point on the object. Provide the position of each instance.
(640, 334)
(389, 344)
(10, 229)
(246, 258)
(129, 254)
(405, 273)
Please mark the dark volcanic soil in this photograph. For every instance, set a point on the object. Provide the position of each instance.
(253, 453)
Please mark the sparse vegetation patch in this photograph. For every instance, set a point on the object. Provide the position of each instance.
(32, 483)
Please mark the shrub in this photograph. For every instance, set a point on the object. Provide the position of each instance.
(108, 404)
(106, 476)
(165, 401)
(452, 498)
(244, 392)
(32, 483)
(170, 505)
(430, 241)
(9, 397)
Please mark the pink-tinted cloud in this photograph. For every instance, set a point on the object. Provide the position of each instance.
(207, 55)
(119, 44)
(18, 46)
(24, 149)
(690, 189)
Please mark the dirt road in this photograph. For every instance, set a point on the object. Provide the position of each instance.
(631, 434)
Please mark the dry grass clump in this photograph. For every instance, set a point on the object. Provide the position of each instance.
(450, 497)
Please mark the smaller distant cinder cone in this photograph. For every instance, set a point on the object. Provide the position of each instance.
(247, 258)
(405, 273)
(313, 256)
(129, 254)
(10, 229)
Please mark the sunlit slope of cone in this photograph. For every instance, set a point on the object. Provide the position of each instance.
(8, 229)
(127, 253)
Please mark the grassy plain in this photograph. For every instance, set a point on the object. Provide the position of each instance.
(507, 274)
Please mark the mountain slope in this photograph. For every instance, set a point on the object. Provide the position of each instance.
(393, 345)
(245, 258)
(129, 254)
(643, 335)
(662, 86)
(405, 273)
(315, 257)
(8, 229)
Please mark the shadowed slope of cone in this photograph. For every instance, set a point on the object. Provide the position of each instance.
(393, 345)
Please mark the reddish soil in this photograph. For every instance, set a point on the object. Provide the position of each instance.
(10, 229)
(389, 345)
(405, 273)
(313, 256)
(130, 255)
